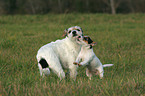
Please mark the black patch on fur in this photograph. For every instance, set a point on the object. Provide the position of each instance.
(69, 31)
(43, 63)
(91, 46)
(89, 40)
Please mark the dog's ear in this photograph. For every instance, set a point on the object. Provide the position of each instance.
(81, 30)
(65, 32)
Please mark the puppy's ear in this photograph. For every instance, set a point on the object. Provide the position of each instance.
(65, 32)
(93, 43)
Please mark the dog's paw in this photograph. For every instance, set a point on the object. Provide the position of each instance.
(79, 64)
(75, 63)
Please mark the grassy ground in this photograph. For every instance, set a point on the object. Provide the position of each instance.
(120, 40)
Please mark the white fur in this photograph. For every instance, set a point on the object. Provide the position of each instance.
(61, 54)
(89, 59)
(44, 71)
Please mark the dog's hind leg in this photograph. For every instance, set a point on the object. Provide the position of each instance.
(101, 71)
(43, 67)
(73, 72)
(58, 71)
(88, 73)
(55, 66)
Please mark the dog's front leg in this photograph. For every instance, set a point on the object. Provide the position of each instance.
(77, 61)
(85, 62)
(73, 72)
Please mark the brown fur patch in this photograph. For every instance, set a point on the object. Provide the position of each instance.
(88, 40)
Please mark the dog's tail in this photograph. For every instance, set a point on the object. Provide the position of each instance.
(108, 65)
(43, 67)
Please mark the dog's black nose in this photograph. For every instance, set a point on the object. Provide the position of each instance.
(74, 32)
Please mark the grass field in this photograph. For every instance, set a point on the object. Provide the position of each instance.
(120, 40)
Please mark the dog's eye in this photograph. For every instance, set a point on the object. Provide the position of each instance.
(78, 29)
(69, 31)
(85, 38)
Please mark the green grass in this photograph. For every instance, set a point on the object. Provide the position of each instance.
(120, 40)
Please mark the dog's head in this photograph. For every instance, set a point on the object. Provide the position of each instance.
(73, 32)
(85, 41)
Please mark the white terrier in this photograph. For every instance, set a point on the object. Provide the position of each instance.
(88, 58)
(60, 54)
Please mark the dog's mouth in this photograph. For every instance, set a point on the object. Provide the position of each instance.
(78, 38)
(74, 35)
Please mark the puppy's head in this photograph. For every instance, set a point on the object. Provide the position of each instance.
(85, 41)
(73, 32)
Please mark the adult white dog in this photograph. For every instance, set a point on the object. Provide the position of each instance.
(60, 54)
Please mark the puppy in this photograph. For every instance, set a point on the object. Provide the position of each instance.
(88, 58)
(60, 54)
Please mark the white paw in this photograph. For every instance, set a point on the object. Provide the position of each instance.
(46, 71)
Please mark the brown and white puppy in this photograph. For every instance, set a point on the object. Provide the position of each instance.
(88, 58)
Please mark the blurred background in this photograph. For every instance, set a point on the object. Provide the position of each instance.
(69, 6)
